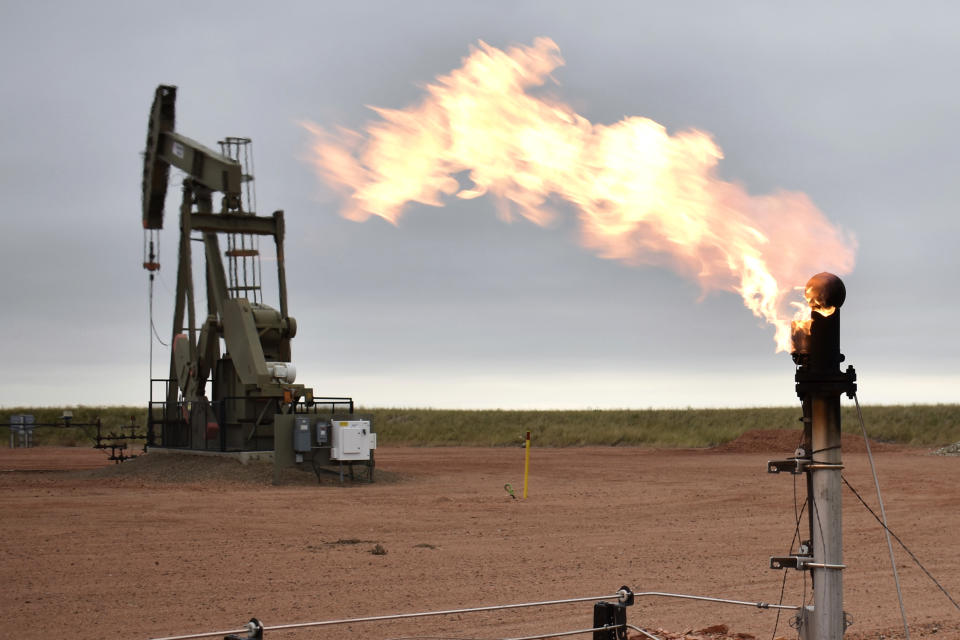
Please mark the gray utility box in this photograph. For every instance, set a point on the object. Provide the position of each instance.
(323, 433)
(301, 434)
(351, 440)
(21, 430)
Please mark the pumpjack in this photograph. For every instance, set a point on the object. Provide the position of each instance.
(241, 347)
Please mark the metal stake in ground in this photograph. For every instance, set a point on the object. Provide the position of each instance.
(819, 384)
(526, 465)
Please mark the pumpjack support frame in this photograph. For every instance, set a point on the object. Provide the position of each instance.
(240, 348)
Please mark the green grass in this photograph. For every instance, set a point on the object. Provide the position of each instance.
(918, 425)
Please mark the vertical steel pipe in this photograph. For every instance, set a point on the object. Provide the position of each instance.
(827, 526)
(820, 383)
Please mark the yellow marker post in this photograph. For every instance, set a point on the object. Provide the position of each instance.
(526, 466)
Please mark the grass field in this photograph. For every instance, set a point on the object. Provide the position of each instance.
(919, 425)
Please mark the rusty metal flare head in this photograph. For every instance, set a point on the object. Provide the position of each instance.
(817, 344)
(825, 293)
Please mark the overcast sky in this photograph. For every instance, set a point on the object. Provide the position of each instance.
(857, 107)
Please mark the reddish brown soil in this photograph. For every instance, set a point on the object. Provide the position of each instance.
(164, 545)
(52, 459)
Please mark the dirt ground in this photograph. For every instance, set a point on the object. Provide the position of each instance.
(168, 545)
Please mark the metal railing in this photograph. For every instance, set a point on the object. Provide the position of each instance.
(175, 430)
(624, 597)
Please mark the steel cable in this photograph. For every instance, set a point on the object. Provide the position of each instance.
(395, 616)
(153, 327)
(883, 513)
(542, 636)
(567, 633)
(402, 616)
(901, 543)
(798, 516)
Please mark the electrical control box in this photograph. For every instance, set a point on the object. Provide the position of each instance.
(302, 434)
(351, 440)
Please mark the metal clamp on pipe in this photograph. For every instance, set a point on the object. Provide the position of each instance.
(798, 562)
(801, 563)
(821, 466)
(793, 466)
(254, 631)
(824, 565)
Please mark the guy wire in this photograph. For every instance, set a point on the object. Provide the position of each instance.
(798, 515)
(153, 327)
(883, 513)
(900, 542)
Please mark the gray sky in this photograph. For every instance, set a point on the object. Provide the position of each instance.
(857, 107)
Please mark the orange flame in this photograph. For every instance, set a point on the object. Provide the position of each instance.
(642, 195)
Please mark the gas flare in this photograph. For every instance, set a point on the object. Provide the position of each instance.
(641, 194)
